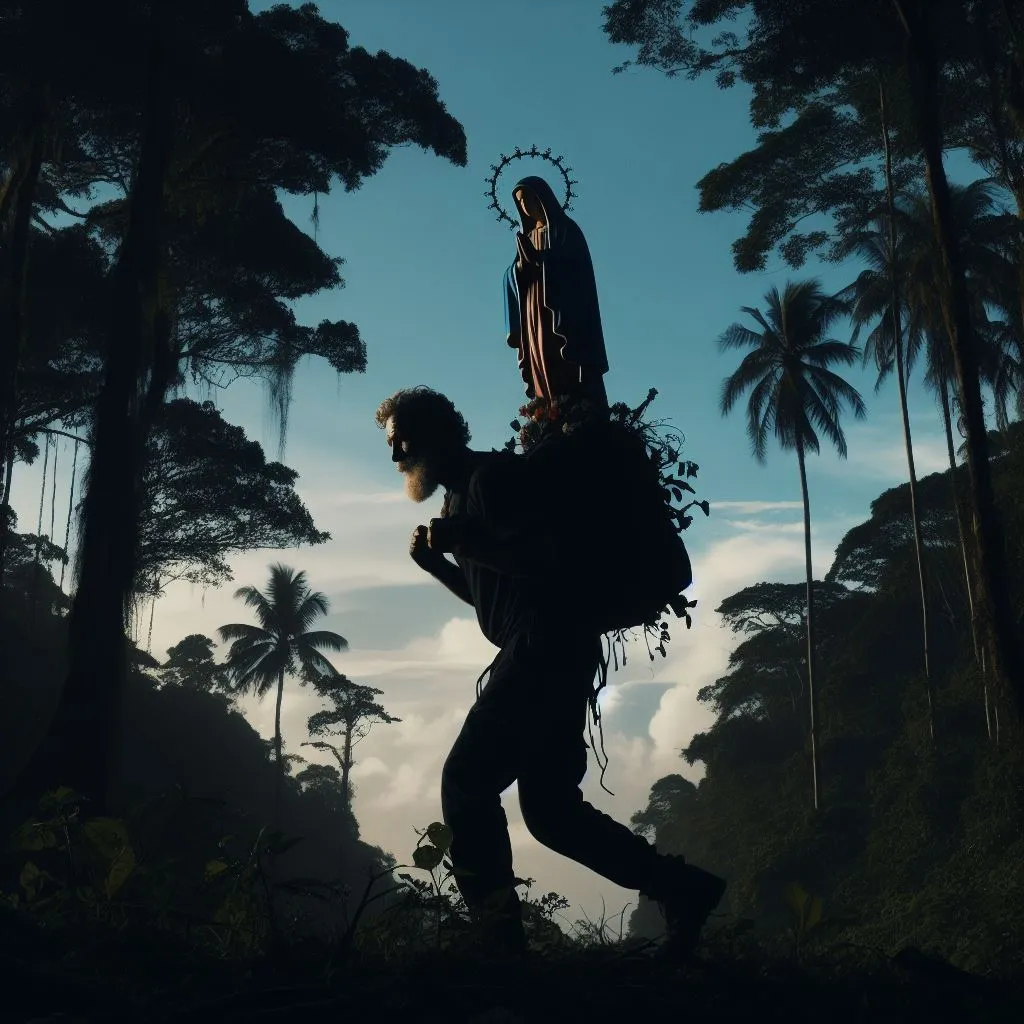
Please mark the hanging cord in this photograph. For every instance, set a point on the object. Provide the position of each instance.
(152, 609)
(53, 491)
(71, 506)
(486, 672)
(42, 493)
(39, 532)
(595, 711)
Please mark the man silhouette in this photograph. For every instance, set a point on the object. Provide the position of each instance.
(528, 721)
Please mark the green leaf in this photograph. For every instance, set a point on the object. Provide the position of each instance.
(58, 799)
(440, 835)
(86, 894)
(813, 913)
(214, 868)
(427, 857)
(120, 871)
(796, 899)
(35, 836)
(108, 836)
(29, 879)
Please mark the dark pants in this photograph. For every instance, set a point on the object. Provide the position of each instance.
(528, 724)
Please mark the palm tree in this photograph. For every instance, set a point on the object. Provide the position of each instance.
(794, 394)
(992, 594)
(981, 234)
(876, 296)
(260, 657)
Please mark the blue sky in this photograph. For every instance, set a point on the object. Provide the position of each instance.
(424, 265)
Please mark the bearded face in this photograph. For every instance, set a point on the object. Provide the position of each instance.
(420, 478)
(420, 471)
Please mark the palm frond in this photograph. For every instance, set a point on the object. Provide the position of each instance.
(264, 610)
(313, 606)
(243, 631)
(738, 336)
(323, 638)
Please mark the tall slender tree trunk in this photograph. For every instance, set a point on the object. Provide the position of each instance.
(82, 741)
(995, 611)
(947, 424)
(278, 753)
(897, 333)
(8, 474)
(16, 203)
(812, 691)
(346, 765)
(979, 655)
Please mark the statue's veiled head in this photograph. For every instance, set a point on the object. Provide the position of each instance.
(535, 201)
(425, 432)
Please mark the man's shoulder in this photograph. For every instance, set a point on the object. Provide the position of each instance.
(497, 473)
(491, 464)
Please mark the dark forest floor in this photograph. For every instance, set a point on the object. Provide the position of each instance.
(127, 979)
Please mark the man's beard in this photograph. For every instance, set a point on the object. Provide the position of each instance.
(420, 479)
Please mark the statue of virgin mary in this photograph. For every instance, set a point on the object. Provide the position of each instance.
(551, 311)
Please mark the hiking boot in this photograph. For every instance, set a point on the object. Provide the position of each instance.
(499, 930)
(687, 896)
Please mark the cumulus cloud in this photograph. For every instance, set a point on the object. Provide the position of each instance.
(877, 451)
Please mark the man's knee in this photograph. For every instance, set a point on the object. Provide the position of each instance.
(547, 811)
(456, 781)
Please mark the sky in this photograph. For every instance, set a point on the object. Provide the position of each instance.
(423, 273)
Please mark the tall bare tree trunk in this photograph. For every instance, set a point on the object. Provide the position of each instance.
(897, 333)
(992, 595)
(346, 764)
(812, 691)
(16, 203)
(279, 754)
(82, 741)
(979, 654)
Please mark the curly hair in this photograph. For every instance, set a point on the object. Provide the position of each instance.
(424, 412)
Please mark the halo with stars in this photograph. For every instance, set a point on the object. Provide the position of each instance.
(520, 154)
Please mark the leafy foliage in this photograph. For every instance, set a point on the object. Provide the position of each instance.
(190, 664)
(911, 834)
(210, 493)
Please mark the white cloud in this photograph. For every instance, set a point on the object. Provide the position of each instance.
(372, 498)
(745, 508)
(755, 525)
(877, 451)
(367, 767)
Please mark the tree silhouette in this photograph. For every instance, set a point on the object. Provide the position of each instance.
(190, 664)
(352, 714)
(208, 491)
(878, 293)
(260, 657)
(803, 55)
(794, 395)
(222, 109)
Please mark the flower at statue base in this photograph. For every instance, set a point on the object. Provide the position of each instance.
(563, 413)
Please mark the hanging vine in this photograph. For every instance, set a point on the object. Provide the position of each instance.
(39, 530)
(152, 609)
(53, 492)
(71, 508)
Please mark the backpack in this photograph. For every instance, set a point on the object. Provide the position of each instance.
(621, 557)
